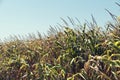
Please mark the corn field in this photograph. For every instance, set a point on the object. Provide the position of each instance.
(84, 53)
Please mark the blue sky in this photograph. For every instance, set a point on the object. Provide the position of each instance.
(28, 16)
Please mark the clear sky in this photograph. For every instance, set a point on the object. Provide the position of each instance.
(28, 16)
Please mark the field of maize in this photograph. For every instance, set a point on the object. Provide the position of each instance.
(86, 52)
